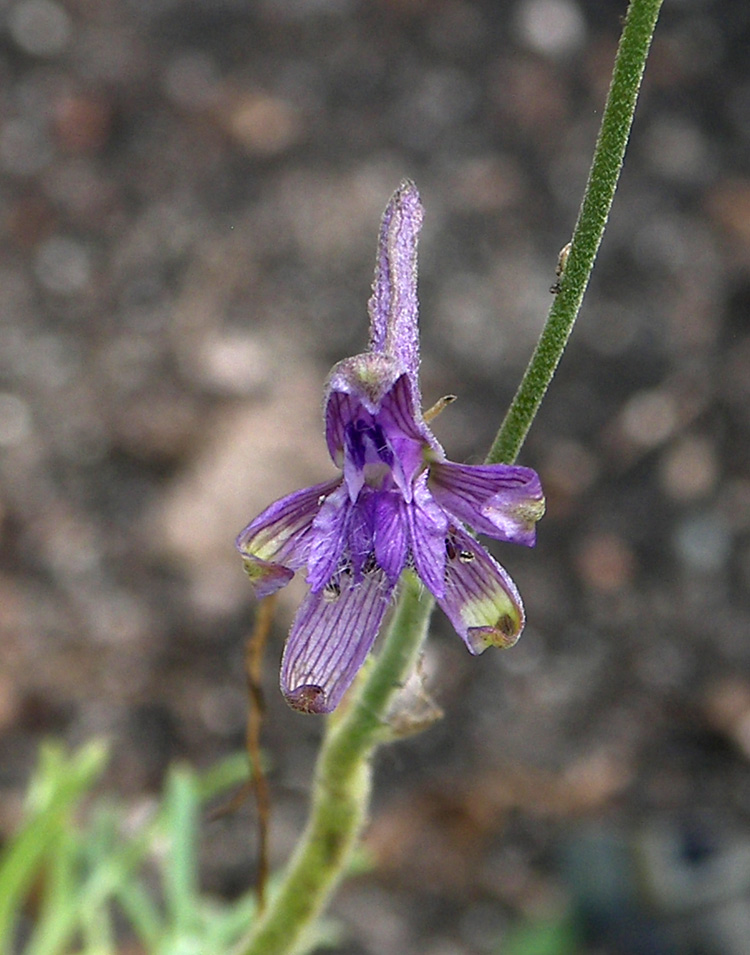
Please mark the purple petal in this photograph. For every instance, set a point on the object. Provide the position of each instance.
(481, 601)
(399, 412)
(393, 305)
(428, 525)
(331, 635)
(407, 433)
(355, 386)
(361, 533)
(265, 577)
(373, 428)
(500, 500)
(390, 534)
(327, 538)
(278, 541)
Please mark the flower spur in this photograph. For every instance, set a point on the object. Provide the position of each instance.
(398, 503)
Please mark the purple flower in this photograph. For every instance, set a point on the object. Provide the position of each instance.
(398, 503)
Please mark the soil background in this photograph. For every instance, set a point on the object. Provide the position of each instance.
(189, 200)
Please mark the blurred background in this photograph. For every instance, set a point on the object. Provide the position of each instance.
(189, 201)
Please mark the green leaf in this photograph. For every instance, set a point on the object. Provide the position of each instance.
(57, 785)
(181, 811)
(217, 779)
(544, 936)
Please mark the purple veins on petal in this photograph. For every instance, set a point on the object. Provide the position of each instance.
(361, 535)
(368, 455)
(331, 635)
(400, 414)
(355, 386)
(481, 601)
(390, 533)
(500, 500)
(428, 524)
(278, 541)
(412, 441)
(375, 441)
(328, 537)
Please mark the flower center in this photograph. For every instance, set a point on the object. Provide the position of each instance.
(368, 456)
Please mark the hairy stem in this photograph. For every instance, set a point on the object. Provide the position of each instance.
(341, 788)
(587, 236)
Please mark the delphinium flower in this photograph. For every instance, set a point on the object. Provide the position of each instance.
(398, 503)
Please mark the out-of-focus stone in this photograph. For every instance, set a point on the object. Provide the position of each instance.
(569, 469)
(233, 363)
(729, 205)
(650, 417)
(703, 542)
(82, 121)
(554, 28)
(689, 470)
(605, 562)
(40, 27)
(263, 124)
(63, 265)
(727, 708)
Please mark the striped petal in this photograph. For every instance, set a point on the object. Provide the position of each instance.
(481, 601)
(500, 500)
(356, 385)
(278, 541)
(327, 538)
(391, 539)
(331, 635)
(428, 525)
(411, 439)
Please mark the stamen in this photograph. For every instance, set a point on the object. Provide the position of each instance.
(440, 405)
(370, 564)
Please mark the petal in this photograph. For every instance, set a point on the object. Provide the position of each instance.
(407, 433)
(500, 500)
(355, 385)
(330, 638)
(391, 534)
(393, 305)
(372, 420)
(481, 601)
(428, 525)
(361, 533)
(266, 577)
(278, 541)
(328, 538)
(399, 412)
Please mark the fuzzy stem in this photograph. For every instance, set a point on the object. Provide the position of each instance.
(592, 218)
(341, 788)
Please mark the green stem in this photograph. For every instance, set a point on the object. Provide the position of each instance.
(341, 789)
(597, 201)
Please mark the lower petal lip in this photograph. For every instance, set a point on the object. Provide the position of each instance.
(504, 634)
(309, 699)
(481, 600)
(332, 634)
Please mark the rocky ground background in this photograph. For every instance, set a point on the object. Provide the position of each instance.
(189, 203)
